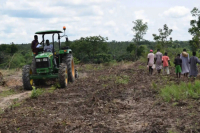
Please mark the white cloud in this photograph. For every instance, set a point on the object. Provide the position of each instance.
(108, 18)
(177, 12)
(141, 15)
(110, 23)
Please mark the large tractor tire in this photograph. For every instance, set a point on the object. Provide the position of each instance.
(27, 82)
(62, 75)
(69, 60)
(33, 66)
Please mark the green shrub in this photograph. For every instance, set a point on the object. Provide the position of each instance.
(122, 79)
(101, 58)
(54, 87)
(36, 92)
(76, 61)
(180, 92)
(154, 85)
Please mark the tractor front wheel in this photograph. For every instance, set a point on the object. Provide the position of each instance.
(62, 75)
(27, 82)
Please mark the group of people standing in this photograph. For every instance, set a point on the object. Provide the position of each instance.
(183, 63)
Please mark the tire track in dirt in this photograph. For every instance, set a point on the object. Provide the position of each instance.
(5, 102)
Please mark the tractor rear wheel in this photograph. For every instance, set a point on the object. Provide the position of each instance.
(27, 82)
(69, 60)
(62, 75)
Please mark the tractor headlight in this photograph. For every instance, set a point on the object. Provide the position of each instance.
(38, 60)
(45, 59)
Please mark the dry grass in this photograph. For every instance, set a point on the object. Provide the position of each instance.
(12, 77)
(10, 72)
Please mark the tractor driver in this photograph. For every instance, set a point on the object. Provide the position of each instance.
(34, 45)
(48, 47)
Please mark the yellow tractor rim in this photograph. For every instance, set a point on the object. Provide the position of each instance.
(73, 70)
(31, 80)
(66, 79)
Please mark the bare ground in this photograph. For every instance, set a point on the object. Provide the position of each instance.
(100, 101)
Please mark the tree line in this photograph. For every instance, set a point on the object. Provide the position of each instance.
(93, 49)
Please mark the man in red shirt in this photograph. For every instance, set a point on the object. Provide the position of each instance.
(166, 63)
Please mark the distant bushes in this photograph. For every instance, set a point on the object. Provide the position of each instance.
(93, 49)
(127, 57)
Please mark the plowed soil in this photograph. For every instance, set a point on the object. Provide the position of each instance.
(109, 99)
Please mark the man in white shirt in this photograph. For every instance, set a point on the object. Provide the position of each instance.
(150, 61)
(48, 47)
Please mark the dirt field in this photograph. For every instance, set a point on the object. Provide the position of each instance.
(118, 98)
(11, 88)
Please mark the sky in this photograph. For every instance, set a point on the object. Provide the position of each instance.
(20, 19)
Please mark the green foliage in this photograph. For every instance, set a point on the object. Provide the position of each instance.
(194, 30)
(36, 92)
(7, 93)
(1, 111)
(124, 79)
(114, 50)
(76, 61)
(171, 131)
(154, 85)
(11, 49)
(54, 87)
(15, 105)
(194, 43)
(100, 58)
(127, 57)
(175, 45)
(179, 92)
(162, 38)
(89, 47)
(131, 47)
(140, 51)
(139, 30)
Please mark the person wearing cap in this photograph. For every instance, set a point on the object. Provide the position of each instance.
(166, 63)
(193, 65)
(185, 63)
(158, 60)
(150, 61)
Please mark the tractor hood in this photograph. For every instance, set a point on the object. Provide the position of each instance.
(43, 55)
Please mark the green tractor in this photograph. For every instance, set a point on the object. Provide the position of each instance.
(49, 65)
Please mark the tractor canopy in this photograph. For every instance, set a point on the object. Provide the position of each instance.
(48, 32)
